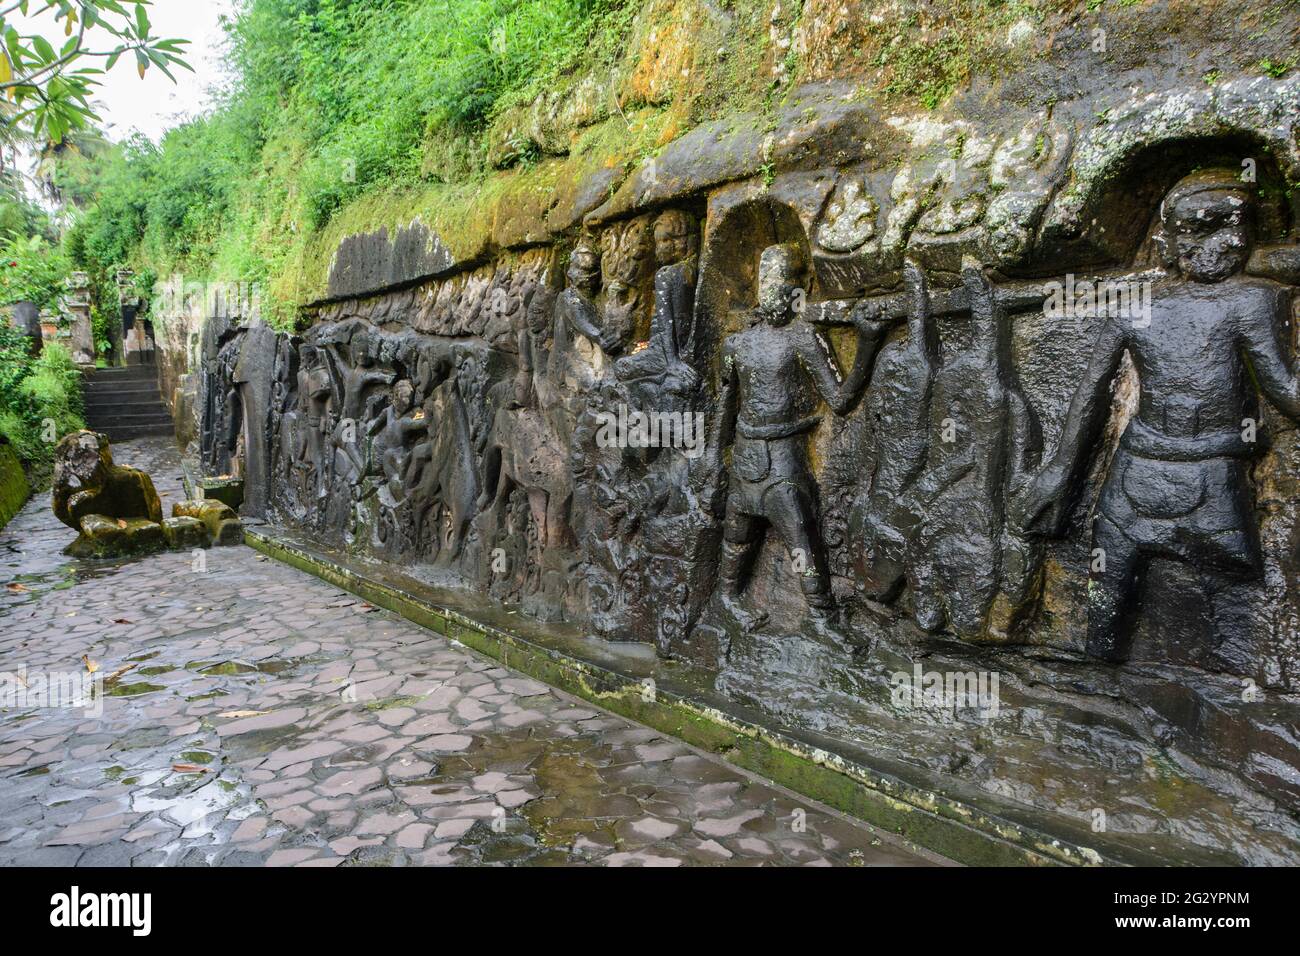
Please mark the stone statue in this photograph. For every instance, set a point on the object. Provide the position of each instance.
(885, 521)
(1178, 485)
(772, 373)
(315, 394)
(394, 433)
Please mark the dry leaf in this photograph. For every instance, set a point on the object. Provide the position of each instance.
(188, 768)
(243, 713)
(121, 523)
(122, 620)
(17, 588)
(91, 666)
(118, 673)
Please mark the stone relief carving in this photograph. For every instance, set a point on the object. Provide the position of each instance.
(464, 426)
(1177, 486)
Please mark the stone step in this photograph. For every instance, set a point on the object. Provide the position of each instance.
(120, 433)
(106, 397)
(139, 373)
(115, 409)
(156, 417)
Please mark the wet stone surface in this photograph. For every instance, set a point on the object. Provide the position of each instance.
(254, 715)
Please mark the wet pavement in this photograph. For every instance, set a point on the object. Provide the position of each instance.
(254, 715)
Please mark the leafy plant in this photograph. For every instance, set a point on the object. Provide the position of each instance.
(40, 399)
(31, 271)
(51, 87)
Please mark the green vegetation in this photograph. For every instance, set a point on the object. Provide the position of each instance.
(31, 271)
(40, 399)
(383, 93)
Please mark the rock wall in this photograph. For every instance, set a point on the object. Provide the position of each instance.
(842, 402)
(14, 489)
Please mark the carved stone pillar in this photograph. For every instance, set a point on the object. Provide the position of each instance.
(83, 336)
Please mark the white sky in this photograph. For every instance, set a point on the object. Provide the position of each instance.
(154, 105)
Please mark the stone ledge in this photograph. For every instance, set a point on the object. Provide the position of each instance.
(971, 831)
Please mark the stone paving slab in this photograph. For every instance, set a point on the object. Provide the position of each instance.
(254, 715)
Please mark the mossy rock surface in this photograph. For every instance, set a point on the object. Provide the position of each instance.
(228, 491)
(219, 518)
(105, 537)
(14, 490)
(184, 534)
(86, 482)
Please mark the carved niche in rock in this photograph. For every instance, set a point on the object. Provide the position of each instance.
(1178, 485)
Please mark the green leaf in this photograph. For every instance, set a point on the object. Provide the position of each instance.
(44, 50)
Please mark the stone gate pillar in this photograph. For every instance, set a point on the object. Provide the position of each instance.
(83, 336)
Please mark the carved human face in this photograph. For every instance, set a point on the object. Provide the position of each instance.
(778, 274)
(360, 351)
(672, 239)
(1208, 234)
(403, 397)
(538, 313)
(584, 270)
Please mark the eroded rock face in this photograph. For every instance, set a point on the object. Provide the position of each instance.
(811, 428)
(86, 482)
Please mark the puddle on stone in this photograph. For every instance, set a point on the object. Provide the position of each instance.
(210, 695)
(236, 668)
(186, 809)
(133, 690)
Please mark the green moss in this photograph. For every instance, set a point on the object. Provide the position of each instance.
(133, 690)
(14, 489)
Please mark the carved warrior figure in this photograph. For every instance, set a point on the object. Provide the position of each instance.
(1178, 486)
(315, 392)
(576, 363)
(357, 378)
(394, 433)
(770, 374)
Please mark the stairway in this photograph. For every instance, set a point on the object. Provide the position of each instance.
(124, 403)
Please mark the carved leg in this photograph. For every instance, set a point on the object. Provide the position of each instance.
(741, 535)
(1112, 583)
(792, 513)
(537, 504)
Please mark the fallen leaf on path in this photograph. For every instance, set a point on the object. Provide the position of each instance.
(243, 713)
(118, 673)
(91, 666)
(122, 620)
(188, 768)
(17, 588)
